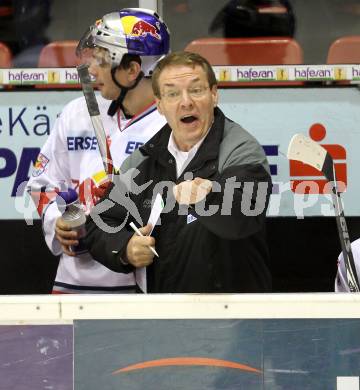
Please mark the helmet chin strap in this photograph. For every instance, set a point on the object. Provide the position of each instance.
(118, 103)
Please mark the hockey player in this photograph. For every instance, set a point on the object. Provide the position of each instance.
(124, 47)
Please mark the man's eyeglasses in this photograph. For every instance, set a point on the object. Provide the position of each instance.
(174, 95)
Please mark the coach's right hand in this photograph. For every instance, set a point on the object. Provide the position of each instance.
(138, 252)
(65, 236)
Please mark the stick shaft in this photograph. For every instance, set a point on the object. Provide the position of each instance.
(93, 108)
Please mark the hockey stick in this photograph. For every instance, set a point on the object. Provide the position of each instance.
(93, 108)
(307, 151)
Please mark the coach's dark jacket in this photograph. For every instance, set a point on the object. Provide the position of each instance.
(197, 253)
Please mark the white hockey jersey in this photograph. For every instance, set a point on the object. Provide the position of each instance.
(341, 282)
(70, 157)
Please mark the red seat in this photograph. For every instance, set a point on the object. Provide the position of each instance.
(249, 51)
(5, 61)
(59, 54)
(345, 50)
(5, 56)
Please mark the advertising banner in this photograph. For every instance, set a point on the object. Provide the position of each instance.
(211, 354)
(26, 119)
(217, 354)
(329, 116)
(36, 357)
(224, 74)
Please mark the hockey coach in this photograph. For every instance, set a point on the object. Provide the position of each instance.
(198, 191)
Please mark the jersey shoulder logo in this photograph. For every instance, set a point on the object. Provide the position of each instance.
(40, 165)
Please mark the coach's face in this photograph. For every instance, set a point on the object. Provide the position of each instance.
(187, 102)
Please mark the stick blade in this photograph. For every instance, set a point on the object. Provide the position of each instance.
(304, 149)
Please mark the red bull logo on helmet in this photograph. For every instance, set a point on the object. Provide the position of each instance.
(143, 28)
(139, 27)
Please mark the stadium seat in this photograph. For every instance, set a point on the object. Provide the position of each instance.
(59, 54)
(249, 51)
(345, 50)
(5, 56)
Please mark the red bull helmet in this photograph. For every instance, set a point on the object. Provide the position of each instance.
(132, 30)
